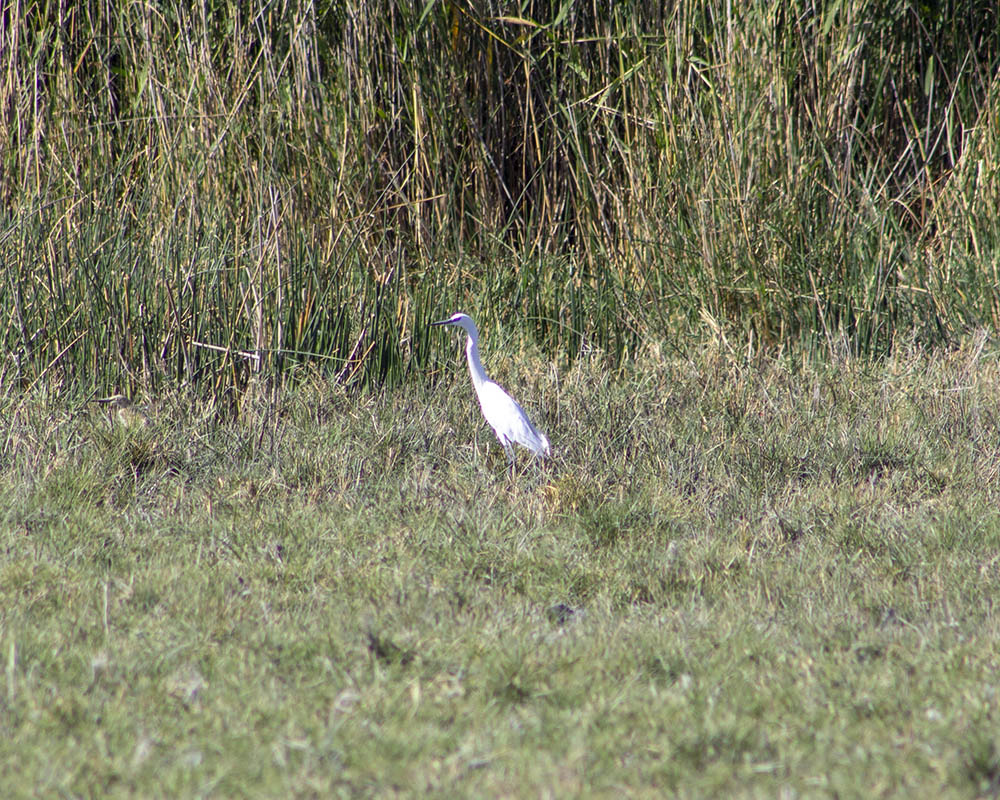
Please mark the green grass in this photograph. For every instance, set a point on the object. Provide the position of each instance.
(735, 579)
(737, 262)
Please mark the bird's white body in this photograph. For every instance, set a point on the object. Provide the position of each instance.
(502, 411)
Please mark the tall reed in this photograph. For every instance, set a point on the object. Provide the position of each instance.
(207, 195)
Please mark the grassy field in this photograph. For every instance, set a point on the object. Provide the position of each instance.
(735, 578)
(744, 268)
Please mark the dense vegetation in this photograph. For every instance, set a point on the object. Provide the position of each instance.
(197, 194)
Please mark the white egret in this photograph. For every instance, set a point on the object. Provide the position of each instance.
(502, 411)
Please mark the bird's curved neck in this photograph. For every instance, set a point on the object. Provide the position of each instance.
(475, 365)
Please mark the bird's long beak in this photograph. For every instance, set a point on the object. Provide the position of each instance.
(442, 322)
(115, 399)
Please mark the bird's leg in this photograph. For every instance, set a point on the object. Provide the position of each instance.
(509, 448)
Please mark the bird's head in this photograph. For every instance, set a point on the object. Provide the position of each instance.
(462, 321)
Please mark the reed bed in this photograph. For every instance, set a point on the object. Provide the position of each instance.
(227, 195)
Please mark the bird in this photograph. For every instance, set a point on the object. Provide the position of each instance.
(128, 413)
(502, 411)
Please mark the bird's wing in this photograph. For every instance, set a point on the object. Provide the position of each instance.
(508, 419)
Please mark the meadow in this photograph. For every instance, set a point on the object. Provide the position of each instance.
(740, 267)
(733, 579)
